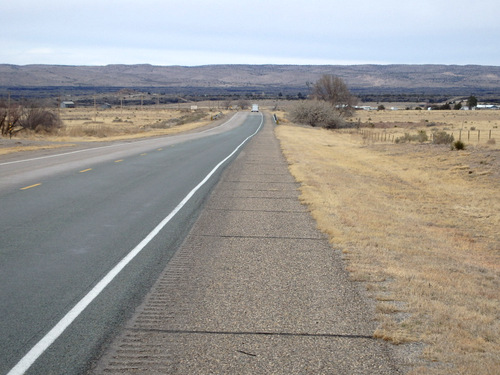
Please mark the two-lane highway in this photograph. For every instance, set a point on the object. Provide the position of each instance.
(84, 234)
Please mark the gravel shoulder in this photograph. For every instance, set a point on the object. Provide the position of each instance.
(255, 288)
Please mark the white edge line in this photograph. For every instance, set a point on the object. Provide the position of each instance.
(115, 145)
(25, 363)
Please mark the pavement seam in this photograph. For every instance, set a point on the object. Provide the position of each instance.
(256, 181)
(249, 210)
(260, 237)
(262, 198)
(256, 333)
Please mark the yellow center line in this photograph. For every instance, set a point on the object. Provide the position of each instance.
(31, 186)
(143, 154)
(85, 170)
(159, 149)
(118, 161)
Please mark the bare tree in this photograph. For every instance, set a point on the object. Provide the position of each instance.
(15, 118)
(39, 119)
(243, 103)
(3, 120)
(333, 90)
(10, 115)
(227, 103)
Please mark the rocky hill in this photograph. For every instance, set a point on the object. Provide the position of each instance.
(368, 78)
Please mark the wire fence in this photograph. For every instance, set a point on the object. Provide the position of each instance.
(464, 135)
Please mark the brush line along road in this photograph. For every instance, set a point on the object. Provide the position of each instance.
(84, 235)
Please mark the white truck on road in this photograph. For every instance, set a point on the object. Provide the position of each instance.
(255, 108)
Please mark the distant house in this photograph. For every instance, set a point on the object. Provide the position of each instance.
(487, 106)
(365, 108)
(67, 104)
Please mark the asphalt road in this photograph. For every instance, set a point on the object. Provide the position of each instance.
(255, 288)
(67, 220)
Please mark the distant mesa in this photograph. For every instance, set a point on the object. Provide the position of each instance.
(460, 78)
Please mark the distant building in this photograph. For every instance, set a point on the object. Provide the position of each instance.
(487, 106)
(67, 104)
(365, 108)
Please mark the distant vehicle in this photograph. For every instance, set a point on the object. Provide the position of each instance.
(255, 108)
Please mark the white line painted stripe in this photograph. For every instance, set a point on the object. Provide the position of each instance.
(25, 363)
(115, 145)
(63, 154)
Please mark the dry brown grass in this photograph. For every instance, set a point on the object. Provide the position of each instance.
(10, 147)
(128, 122)
(419, 226)
(89, 125)
(472, 126)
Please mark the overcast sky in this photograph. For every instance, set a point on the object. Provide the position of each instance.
(196, 32)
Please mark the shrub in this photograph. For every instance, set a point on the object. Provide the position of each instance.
(420, 137)
(442, 138)
(405, 138)
(318, 113)
(40, 120)
(459, 145)
(491, 141)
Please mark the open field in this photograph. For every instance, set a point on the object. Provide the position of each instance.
(129, 121)
(418, 225)
(474, 127)
(90, 125)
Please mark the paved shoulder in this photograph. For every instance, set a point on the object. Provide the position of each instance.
(255, 289)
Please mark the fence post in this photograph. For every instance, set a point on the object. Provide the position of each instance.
(478, 135)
